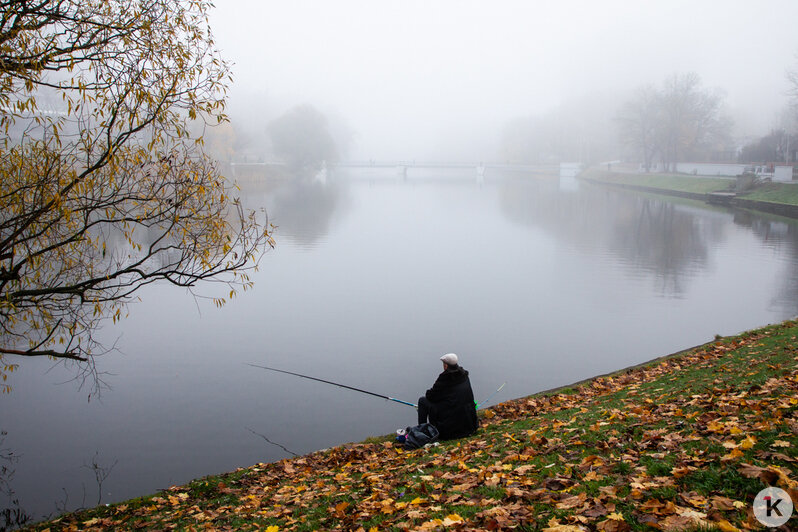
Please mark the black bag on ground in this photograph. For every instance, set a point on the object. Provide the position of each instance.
(420, 435)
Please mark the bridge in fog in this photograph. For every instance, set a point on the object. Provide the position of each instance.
(400, 168)
(479, 168)
(444, 164)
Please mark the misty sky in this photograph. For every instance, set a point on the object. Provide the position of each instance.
(413, 77)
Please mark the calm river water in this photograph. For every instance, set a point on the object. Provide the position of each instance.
(373, 278)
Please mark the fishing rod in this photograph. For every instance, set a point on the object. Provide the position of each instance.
(335, 384)
(491, 395)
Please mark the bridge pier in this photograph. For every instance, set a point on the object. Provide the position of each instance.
(401, 171)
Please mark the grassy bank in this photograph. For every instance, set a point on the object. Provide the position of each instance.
(685, 442)
(680, 183)
(779, 193)
(775, 193)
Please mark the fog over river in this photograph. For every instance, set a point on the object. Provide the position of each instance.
(530, 280)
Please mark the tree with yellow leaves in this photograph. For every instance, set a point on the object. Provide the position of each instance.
(104, 189)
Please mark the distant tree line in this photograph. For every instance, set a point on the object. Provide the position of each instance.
(578, 130)
(777, 146)
(679, 120)
(676, 121)
(781, 144)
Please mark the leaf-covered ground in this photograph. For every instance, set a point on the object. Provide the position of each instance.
(684, 443)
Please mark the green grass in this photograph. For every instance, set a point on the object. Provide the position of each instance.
(786, 193)
(678, 182)
(775, 193)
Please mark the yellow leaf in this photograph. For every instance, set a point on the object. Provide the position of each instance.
(273, 528)
(615, 516)
(452, 519)
(714, 426)
(748, 442)
(431, 525)
(733, 455)
(592, 475)
(725, 526)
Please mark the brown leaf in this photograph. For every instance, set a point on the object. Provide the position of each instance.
(611, 525)
(572, 501)
(719, 502)
(694, 499)
(675, 522)
(653, 506)
(597, 510)
(557, 483)
(340, 510)
(608, 491)
(766, 475)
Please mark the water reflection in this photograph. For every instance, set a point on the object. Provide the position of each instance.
(663, 238)
(782, 237)
(644, 234)
(12, 515)
(302, 208)
(669, 238)
(305, 210)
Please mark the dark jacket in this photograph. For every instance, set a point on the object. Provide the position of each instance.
(453, 411)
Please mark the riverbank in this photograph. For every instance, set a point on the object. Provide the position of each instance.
(774, 198)
(684, 441)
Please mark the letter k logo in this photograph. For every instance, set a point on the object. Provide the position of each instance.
(773, 506)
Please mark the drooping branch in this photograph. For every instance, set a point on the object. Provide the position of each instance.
(45, 353)
(113, 194)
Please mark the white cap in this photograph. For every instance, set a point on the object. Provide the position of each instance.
(449, 359)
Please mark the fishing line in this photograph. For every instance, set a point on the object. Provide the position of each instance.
(335, 384)
(491, 395)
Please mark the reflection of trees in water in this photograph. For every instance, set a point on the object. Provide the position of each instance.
(301, 204)
(781, 236)
(303, 210)
(12, 516)
(662, 238)
(787, 297)
(647, 235)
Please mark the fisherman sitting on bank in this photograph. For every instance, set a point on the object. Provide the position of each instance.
(449, 404)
